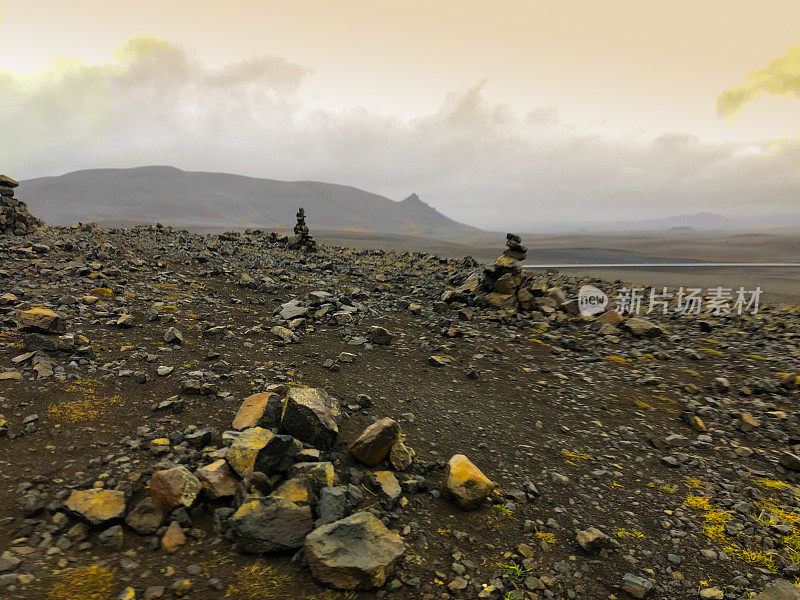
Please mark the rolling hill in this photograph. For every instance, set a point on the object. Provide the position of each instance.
(201, 199)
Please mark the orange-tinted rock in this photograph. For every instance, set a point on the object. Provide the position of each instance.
(42, 319)
(217, 479)
(465, 483)
(173, 538)
(259, 410)
(375, 442)
(97, 506)
(611, 317)
(174, 487)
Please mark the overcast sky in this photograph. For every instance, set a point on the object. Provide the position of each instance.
(497, 113)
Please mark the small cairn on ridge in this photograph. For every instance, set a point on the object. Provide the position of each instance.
(514, 247)
(302, 239)
(14, 216)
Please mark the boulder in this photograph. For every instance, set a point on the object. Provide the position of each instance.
(246, 280)
(506, 302)
(379, 335)
(271, 524)
(97, 506)
(505, 285)
(310, 415)
(254, 485)
(285, 334)
(642, 328)
(747, 422)
(292, 312)
(507, 264)
(611, 317)
(790, 461)
(259, 410)
(173, 538)
(557, 295)
(354, 553)
(8, 299)
(387, 486)
(173, 336)
(217, 479)
(7, 181)
(278, 454)
(112, 538)
(375, 442)
(175, 487)
(242, 454)
(126, 321)
(146, 517)
(592, 540)
(465, 483)
(41, 319)
(471, 285)
(638, 587)
(297, 491)
(401, 456)
(333, 505)
(316, 475)
(780, 589)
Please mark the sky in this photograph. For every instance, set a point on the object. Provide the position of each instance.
(494, 112)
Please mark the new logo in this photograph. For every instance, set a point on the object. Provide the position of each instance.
(591, 301)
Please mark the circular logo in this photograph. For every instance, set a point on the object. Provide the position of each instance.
(591, 300)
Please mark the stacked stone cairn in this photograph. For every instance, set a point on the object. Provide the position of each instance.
(503, 281)
(504, 285)
(302, 239)
(14, 216)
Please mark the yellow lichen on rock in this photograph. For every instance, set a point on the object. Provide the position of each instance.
(97, 506)
(242, 454)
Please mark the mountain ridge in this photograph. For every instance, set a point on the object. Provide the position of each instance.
(172, 196)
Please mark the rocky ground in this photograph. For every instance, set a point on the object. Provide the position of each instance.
(508, 456)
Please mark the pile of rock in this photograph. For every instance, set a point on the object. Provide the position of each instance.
(271, 490)
(302, 239)
(514, 248)
(503, 285)
(14, 216)
(506, 287)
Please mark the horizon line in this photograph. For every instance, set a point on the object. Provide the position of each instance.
(625, 265)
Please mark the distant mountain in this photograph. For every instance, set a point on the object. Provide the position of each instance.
(183, 198)
(704, 221)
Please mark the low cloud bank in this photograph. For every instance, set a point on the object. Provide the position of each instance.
(477, 161)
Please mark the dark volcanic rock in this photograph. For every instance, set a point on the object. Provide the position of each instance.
(310, 415)
(271, 524)
(355, 553)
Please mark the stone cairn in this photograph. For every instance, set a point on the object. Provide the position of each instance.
(503, 285)
(302, 239)
(514, 247)
(503, 280)
(14, 216)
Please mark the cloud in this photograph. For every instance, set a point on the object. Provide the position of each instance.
(477, 160)
(780, 77)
